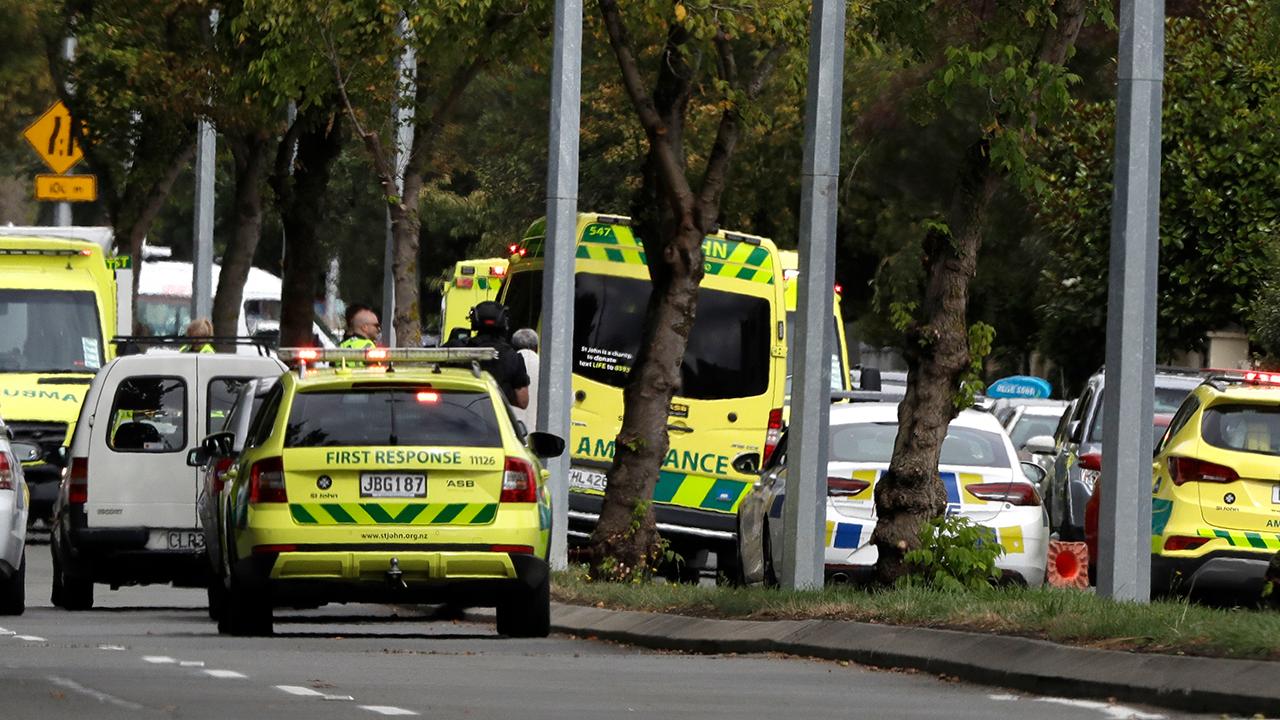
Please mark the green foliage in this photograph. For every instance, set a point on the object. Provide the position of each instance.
(1220, 191)
(955, 554)
(981, 338)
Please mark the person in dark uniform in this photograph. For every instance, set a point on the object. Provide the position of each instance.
(489, 329)
(362, 328)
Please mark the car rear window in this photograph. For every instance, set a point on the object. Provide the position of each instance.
(1246, 428)
(873, 443)
(1164, 402)
(392, 416)
(1029, 426)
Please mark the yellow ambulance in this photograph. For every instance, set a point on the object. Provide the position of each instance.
(733, 376)
(473, 282)
(57, 314)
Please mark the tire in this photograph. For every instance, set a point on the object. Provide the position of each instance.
(247, 612)
(70, 592)
(729, 566)
(217, 595)
(770, 573)
(13, 592)
(526, 613)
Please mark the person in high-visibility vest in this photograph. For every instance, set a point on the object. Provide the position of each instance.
(199, 328)
(362, 328)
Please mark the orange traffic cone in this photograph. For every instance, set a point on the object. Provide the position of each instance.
(1068, 564)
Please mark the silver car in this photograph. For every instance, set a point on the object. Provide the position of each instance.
(14, 503)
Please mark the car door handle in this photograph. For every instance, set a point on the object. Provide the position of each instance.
(679, 428)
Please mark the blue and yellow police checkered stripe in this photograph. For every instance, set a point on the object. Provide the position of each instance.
(372, 513)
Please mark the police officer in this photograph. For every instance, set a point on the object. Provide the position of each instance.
(362, 328)
(489, 329)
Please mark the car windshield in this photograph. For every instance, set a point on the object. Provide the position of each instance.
(1246, 428)
(873, 443)
(392, 416)
(163, 314)
(1167, 400)
(1029, 426)
(49, 331)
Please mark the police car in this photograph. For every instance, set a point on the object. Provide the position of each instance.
(397, 475)
(1215, 496)
(983, 479)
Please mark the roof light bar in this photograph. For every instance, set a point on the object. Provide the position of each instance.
(1248, 377)
(45, 252)
(431, 356)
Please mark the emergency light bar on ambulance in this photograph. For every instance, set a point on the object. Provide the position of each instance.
(426, 356)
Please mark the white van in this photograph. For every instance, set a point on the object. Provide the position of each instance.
(164, 303)
(126, 512)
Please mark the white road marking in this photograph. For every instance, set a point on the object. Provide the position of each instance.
(111, 647)
(225, 674)
(387, 710)
(6, 631)
(31, 638)
(338, 697)
(1115, 712)
(191, 663)
(159, 659)
(299, 690)
(98, 695)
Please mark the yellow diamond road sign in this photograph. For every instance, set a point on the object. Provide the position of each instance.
(67, 188)
(54, 140)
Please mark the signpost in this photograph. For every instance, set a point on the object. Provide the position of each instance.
(53, 137)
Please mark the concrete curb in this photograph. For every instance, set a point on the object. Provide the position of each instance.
(1180, 682)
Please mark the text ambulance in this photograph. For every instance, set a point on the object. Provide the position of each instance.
(57, 312)
(731, 394)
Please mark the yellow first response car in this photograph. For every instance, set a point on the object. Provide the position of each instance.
(1215, 506)
(402, 481)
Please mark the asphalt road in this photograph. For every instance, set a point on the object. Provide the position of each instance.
(152, 652)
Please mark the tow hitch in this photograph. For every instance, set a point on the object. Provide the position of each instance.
(395, 575)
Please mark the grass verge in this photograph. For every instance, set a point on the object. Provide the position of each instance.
(1065, 616)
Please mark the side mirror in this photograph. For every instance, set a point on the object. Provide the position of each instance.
(546, 445)
(1034, 473)
(1073, 431)
(871, 379)
(747, 463)
(198, 457)
(1040, 444)
(219, 443)
(25, 452)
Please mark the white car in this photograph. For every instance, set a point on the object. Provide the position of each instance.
(983, 478)
(14, 502)
(126, 511)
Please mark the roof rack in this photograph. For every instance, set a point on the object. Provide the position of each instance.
(134, 344)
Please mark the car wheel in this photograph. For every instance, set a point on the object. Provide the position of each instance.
(13, 592)
(217, 594)
(247, 611)
(770, 574)
(526, 613)
(70, 592)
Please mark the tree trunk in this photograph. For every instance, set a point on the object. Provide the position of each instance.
(406, 224)
(910, 493)
(302, 200)
(250, 153)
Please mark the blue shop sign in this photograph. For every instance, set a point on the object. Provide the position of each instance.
(1020, 386)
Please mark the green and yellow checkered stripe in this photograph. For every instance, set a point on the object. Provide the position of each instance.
(698, 491)
(1244, 539)
(608, 243)
(371, 513)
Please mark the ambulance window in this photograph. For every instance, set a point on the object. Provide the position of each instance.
(524, 299)
(728, 351)
(222, 396)
(392, 417)
(49, 331)
(149, 415)
(1246, 428)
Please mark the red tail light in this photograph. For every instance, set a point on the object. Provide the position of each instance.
(498, 270)
(1184, 470)
(463, 282)
(773, 434)
(78, 481)
(518, 482)
(266, 481)
(517, 549)
(6, 473)
(219, 473)
(1014, 493)
(1091, 461)
(1183, 542)
(845, 487)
